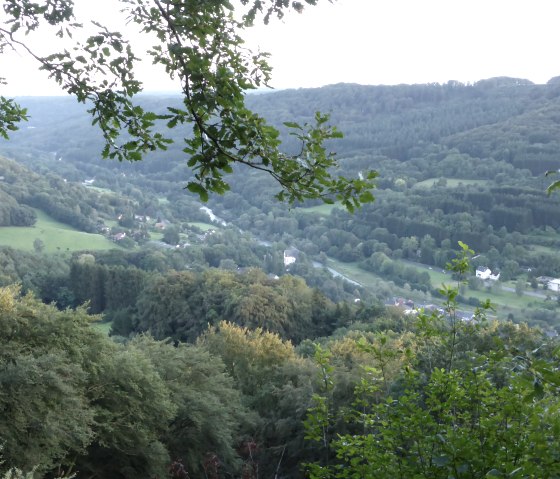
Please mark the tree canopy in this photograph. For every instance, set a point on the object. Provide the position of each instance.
(198, 44)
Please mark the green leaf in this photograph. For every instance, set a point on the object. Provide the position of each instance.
(366, 197)
(134, 156)
(199, 190)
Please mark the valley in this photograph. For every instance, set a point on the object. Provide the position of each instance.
(487, 201)
(244, 336)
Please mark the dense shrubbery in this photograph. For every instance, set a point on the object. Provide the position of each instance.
(448, 398)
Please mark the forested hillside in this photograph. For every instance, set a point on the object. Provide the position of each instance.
(455, 162)
(501, 119)
(252, 339)
(68, 202)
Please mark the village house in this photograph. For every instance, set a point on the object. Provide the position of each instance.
(161, 225)
(290, 256)
(554, 285)
(403, 303)
(485, 273)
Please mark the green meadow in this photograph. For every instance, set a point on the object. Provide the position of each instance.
(323, 209)
(106, 191)
(56, 236)
(202, 226)
(355, 273)
(537, 248)
(451, 182)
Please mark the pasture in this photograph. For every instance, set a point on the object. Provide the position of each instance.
(56, 236)
(323, 209)
(450, 182)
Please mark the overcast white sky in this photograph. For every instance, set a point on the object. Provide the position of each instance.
(379, 42)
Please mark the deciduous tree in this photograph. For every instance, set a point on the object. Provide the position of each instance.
(199, 44)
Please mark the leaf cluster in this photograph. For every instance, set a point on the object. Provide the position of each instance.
(199, 45)
(460, 406)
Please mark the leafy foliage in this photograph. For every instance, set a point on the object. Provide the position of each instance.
(209, 410)
(73, 400)
(199, 45)
(391, 396)
(455, 410)
(276, 385)
(181, 305)
(10, 115)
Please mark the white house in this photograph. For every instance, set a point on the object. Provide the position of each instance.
(483, 272)
(290, 256)
(554, 285)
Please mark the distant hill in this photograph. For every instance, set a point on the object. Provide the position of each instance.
(456, 163)
(529, 140)
(399, 122)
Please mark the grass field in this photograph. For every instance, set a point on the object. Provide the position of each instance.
(537, 248)
(355, 273)
(500, 298)
(111, 223)
(56, 236)
(323, 209)
(370, 280)
(451, 182)
(437, 277)
(202, 226)
(497, 296)
(156, 235)
(102, 190)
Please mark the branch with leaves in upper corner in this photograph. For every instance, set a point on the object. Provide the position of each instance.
(198, 44)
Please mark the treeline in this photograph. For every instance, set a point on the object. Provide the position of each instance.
(397, 120)
(181, 305)
(145, 291)
(527, 141)
(424, 225)
(477, 134)
(44, 275)
(70, 203)
(14, 214)
(105, 410)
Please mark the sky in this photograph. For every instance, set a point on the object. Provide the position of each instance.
(371, 42)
